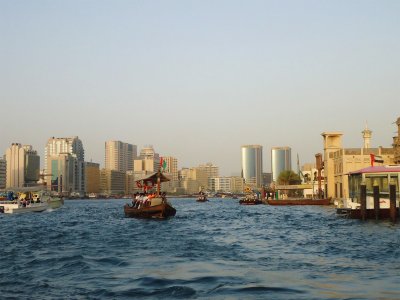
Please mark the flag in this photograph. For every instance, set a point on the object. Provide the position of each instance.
(376, 158)
(163, 164)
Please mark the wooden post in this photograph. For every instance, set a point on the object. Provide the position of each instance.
(392, 196)
(158, 183)
(363, 200)
(376, 200)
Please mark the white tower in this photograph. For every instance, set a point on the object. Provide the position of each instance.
(367, 134)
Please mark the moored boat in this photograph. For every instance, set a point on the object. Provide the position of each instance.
(156, 207)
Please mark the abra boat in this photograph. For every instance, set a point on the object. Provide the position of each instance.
(157, 207)
(250, 200)
(202, 197)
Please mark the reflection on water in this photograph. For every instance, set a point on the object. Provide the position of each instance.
(217, 249)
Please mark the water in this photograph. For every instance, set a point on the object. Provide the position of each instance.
(215, 250)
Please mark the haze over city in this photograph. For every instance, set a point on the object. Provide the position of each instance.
(199, 79)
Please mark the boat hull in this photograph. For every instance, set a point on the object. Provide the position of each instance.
(15, 208)
(326, 201)
(250, 202)
(161, 211)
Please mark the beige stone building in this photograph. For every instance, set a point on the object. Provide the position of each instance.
(339, 161)
(396, 143)
(119, 156)
(193, 180)
(92, 174)
(22, 166)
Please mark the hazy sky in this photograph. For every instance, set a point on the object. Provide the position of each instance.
(198, 79)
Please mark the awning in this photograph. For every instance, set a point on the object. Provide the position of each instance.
(153, 178)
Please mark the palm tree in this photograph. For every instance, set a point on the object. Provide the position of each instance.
(288, 177)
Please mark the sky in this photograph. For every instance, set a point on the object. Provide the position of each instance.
(199, 79)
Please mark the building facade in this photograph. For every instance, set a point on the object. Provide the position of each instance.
(22, 166)
(396, 144)
(112, 182)
(281, 160)
(92, 175)
(74, 147)
(252, 163)
(3, 173)
(119, 156)
(339, 162)
(61, 168)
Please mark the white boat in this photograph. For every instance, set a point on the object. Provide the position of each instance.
(18, 207)
(30, 201)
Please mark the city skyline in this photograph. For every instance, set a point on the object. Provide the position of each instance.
(211, 76)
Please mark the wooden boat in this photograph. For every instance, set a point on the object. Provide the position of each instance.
(305, 201)
(202, 198)
(250, 200)
(157, 207)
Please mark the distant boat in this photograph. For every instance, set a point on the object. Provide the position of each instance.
(202, 197)
(92, 196)
(250, 200)
(157, 207)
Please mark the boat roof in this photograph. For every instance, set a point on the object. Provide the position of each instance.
(153, 177)
(378, 169)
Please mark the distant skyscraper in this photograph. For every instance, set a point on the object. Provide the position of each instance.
(281, 160)
(172, 166)
(119, 156)
(23, 166)
(149, 160)
(252, 164)
(3, 173)
(74, 147)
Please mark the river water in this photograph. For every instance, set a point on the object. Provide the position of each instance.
(215, 250)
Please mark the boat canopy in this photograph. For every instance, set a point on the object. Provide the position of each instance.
(153, 178)
(377, 169)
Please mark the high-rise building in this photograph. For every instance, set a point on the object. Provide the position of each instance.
(74, 147)
(281, 160)
(119, 156)
(3, 173)
(112, 182)
(61, 168)
(171, 166)
(23, 166)
(92, 175)
(252, 163)
(148, 161)
(210, 169)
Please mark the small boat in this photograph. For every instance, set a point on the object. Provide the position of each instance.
(202, 197)
(157, 207)
(299, 201)
(22, 202)
(17, 207)
(250, 200)
(29, 200)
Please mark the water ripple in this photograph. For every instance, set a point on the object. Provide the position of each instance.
(214, 250)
